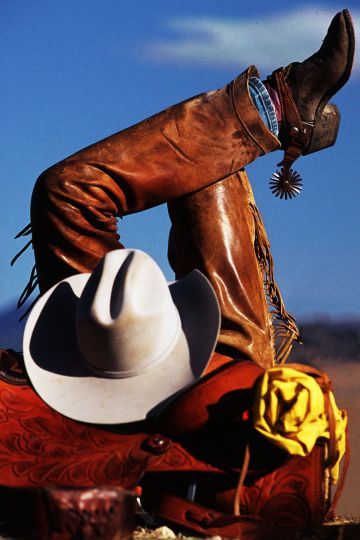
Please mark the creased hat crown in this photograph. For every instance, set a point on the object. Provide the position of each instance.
(126, 320)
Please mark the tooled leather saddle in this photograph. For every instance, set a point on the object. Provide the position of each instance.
(188, 462)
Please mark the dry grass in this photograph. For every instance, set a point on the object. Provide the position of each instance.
(346, 528)
(162, 533)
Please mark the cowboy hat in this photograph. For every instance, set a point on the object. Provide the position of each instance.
(110, 346)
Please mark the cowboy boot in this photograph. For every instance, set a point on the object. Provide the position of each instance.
(218, 230)
(193, 144)
(308, 124)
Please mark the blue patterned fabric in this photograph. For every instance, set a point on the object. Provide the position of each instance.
(263, 103)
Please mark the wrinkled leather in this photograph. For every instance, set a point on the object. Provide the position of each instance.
(213, 230)
(304, 89)
(320, 76)
(42, 448)
(189, 146)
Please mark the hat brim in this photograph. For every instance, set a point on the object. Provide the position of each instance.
(63, 381)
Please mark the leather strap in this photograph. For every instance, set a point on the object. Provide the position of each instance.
(325, 383)
(243, 473)
(341, 482)
(289, 110)
(333, 454)
(203, 520)
(299, 132)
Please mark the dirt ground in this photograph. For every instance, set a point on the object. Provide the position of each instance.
(346, 383)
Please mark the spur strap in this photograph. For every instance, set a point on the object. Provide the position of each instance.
(299, 131)
(286, 183)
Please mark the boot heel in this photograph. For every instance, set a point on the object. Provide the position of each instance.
(326, 127)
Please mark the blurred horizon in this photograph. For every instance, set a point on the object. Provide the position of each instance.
(324, 338)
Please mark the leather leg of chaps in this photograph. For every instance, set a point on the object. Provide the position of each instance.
(214, 230)
(183, 149)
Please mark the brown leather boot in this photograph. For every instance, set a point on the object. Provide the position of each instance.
(178, 151)
(304, 89)
(219, 231)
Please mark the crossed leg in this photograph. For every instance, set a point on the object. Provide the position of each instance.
(192, 145)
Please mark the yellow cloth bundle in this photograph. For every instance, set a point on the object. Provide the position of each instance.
(289, 409)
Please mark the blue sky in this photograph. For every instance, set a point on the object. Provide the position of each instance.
(75, 71)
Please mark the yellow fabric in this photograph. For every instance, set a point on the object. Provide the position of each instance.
(289, 410)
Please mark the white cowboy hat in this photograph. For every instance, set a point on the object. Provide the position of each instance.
(110, 346)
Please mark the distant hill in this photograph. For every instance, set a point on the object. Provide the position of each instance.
(328, 340)
(11, 330)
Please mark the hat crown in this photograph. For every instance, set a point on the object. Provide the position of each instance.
(126, 320)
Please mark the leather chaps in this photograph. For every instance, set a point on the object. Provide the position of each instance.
(203, 142)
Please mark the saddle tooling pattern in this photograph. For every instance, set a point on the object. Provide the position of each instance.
(203, 448)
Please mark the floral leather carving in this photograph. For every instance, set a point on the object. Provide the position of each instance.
(40, 448)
